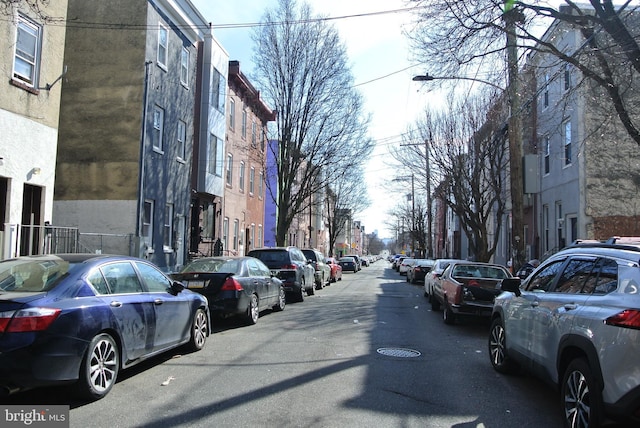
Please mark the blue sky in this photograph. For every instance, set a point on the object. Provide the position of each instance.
(376, 48)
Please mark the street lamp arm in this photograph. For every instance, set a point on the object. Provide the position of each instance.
(428, 77)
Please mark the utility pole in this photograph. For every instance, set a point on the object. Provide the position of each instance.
(511, 16)
(429, 202)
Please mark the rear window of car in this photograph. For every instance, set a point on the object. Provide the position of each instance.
(211, 266)
(28, 275)
(270, 256)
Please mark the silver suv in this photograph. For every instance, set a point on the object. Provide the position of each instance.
(575, 321)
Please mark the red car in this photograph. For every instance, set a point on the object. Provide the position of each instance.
(336, 269)
(468, 288)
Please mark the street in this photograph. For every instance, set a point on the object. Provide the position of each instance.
(366, 351)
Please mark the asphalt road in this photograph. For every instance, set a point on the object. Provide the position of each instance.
(365, 352)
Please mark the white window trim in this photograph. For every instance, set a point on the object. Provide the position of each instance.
(158, 143)
(182, 141)
(184, 68)
(32, 80)
(241, 176)
(167, 228)
(148, 237)
(567, 142)
(162, 62)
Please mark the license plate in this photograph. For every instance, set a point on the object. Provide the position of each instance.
(195, 284)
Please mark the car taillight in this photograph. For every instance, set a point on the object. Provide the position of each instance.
(416, 269)
(289, 267)
(629, 318)
(231, 284)
(27, 320)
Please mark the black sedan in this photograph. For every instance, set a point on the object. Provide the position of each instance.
(419, 269)
(80, 318)
(348, 264)
(234, 285)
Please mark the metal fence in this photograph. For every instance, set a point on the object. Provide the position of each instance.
(23, 240)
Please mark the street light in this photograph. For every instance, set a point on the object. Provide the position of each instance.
(427, 77)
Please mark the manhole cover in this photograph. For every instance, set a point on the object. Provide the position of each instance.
(399, 352)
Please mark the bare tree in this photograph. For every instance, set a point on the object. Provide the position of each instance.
(466, 38)
(37, 7)
(467, 148)
(320, 126)
(345, 197)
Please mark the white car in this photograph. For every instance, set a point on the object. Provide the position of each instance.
(434, 275)
(405, 265)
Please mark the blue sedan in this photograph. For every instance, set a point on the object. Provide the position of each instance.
(81, 318)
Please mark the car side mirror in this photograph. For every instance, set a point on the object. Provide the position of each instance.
(512, 285)
(176, 288)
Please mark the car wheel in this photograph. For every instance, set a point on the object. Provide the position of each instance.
(300, 293)
(435, 305)
(310, 290)
(500, 359)
(199, 331)
(581, 397)
(282, 301)
(448, 316)
(99, 368)
(253, 310)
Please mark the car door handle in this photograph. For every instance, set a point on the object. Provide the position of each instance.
(535, 303)
(158, 301)
(115, 304)
(570, 306)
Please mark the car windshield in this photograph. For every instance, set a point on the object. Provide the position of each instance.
(347, 259)
(212, 265)
(271, 257)
(28, 275)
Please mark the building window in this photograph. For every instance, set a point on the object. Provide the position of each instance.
(547, 154)
(244, 123)
(158, 128)
(182, 137)
(236, 233)
(184, 67)
(232, 114)
(567, 143)
(254, 133)
(147, 223)
(225, 232)
(241, 178)
(259, 243)
(545, 225)
(545, 100)
(252, 179)
(567, 77)
(261, 184)
(218, 90)
(214, 155)
(252, 237)
(168, 226)
(229, 169)
(208, 221)
(163, 46)
(26, 62)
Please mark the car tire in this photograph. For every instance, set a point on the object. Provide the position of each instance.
(282, 301)
(253, 310)
(435, 305)
(199, 331)
(580, 395)
(498, 354)
(99, 368)
(310, 290)
(448, 316)
(299, 297)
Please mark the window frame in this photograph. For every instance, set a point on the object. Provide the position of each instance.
(241, 176)
(184, 67)
(162, 58)
(147, 222)
(229, 171)
(252, 179)
(232, 114)
(158, 129)
(567, 136)
(167, 228)
(182, 140)
(31, 81)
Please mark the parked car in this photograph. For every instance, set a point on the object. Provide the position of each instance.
(468, 288)
(291, 266)
(81, 318)
(433, 277)
(364, 261)
(357, 259)
(419, 270)
(322, 272)
(404, 266)
(396, 262)
(348, 264)
(336, 269)
(234, 286)
(575, 322)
